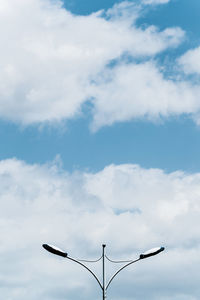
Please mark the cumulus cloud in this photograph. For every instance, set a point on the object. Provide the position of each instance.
(138, 91)
(128, 207)
(190, 61)
(50, 57)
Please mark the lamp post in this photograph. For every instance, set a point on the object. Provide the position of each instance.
(102, 284)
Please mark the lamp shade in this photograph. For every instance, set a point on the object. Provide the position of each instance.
(54, 250)
(151, 252)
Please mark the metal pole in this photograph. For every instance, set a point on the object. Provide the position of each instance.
(104, 277)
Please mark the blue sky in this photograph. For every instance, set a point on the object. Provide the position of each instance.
(172, 144)
(99, 124)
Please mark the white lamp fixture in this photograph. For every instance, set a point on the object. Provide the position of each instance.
(54, 250)
(151, 252)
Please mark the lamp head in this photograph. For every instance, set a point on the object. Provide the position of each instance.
(54, 250)
(151, 252)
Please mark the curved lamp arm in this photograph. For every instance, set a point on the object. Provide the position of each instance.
(80, 263)
(146, 254)
(59, 252)
(121, 270)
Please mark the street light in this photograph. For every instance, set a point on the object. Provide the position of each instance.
(103, 285)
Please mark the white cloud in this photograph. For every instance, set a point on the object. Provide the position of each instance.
(190, 61)
(49, 57)
(155, 1)
(135, 91)
(128, 207)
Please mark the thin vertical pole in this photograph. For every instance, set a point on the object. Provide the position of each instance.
(104, 277)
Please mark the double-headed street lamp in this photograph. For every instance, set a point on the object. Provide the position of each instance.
(103, 285)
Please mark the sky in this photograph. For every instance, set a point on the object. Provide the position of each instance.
(99, 143)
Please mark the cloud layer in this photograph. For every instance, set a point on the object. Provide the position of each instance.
(50, 60)
(130, 208)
